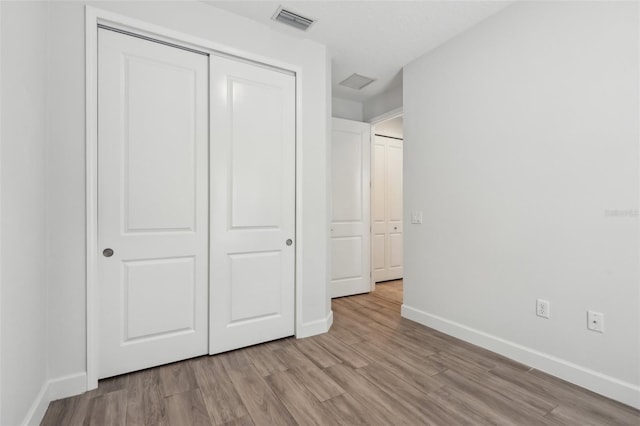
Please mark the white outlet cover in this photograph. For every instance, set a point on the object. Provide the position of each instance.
(595, 321)
(543, 308)
(416, 217)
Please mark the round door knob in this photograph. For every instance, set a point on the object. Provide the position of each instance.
(289, 242)
(107, 252)
(395, 228)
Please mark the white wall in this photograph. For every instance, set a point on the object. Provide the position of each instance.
(349, 110)
(381, 104)
(1, 212)
(22, 227)
(66, 161)
(328, 195)
(521, 148)
(391, 127)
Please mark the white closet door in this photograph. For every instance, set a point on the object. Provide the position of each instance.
(350, 223)
(152, 203)
(387, 209)
(252, 204)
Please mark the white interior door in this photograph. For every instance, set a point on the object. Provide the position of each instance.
(152, 203)
(252, 204)
(387, 209)
(350, 223)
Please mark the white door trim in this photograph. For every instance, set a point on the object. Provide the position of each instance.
(93, 18)
(396, 112)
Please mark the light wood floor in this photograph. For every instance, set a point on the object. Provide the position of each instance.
(372, 368)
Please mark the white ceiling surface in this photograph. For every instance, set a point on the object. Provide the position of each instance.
(373, 38)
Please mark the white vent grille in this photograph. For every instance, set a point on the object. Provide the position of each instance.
(292, 19)
(356, 81)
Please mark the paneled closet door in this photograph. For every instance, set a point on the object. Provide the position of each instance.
(387, 209)
(153, 230)
(252, 204)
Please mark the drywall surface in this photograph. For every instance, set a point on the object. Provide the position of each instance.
(349, 110)
(1, 212)
(383, 103)
(328, 195)
(22, 227)
(66, 160)
(391, 127)
(521, 149)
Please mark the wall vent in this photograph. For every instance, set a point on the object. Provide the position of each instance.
(356, 81)
(292, 19)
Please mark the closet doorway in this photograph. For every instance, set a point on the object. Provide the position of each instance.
(191, 202)
(386, 191)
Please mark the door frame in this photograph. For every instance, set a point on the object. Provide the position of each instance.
(93, 18)
(396, 112)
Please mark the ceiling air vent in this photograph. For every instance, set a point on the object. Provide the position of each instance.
(357, 81)
(292, 19)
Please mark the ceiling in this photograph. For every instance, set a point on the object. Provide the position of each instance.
(373, 38)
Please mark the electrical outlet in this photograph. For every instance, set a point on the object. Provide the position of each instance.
(416, 217)
(543, 308)
(595, 321)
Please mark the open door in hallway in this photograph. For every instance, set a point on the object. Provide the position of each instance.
(350, 223)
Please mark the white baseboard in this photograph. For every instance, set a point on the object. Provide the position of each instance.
(39, 407)
(61, 387)
(315, 327)
(613, 388)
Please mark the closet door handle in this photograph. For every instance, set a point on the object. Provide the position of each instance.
(107, 252)
(289, 242)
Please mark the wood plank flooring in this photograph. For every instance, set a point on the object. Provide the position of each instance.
(372, 368)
